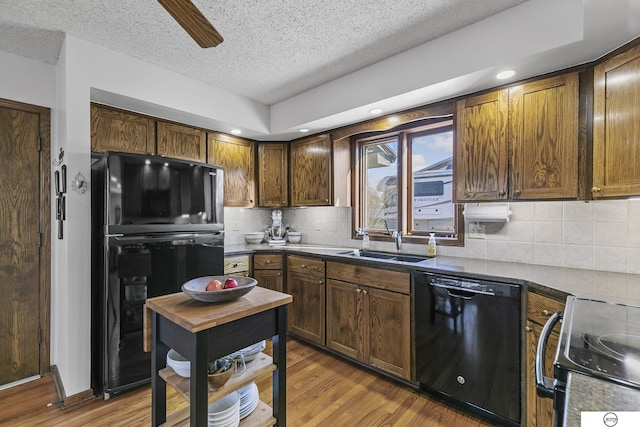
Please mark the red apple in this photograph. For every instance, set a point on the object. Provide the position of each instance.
(230, 283)
(214, 285)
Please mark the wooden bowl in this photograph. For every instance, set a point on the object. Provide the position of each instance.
(218, 380)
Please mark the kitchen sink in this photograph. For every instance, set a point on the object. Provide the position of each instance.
(383, 256)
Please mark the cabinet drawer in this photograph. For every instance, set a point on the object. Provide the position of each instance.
(384, 279)
(540, 308)
(236, 264)
(310, 266)
(267, 262)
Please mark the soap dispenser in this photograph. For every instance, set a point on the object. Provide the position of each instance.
(431, 245)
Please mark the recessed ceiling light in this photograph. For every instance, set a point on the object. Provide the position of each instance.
(505, 74)
(236, 131)
(304, 130)
(375, 110)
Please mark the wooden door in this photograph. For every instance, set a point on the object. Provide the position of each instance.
(306, 312)
(24, 310)
(270, 279)
(310, 173)
(389, 331)
(273, 190)
(118, 130)
(539, 409)
(543, 124)
(616, 126)
(181, 142)
(481, 156)
(237, 157)
(345, 318)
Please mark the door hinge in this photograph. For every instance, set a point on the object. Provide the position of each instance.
(39, 144)
(39, 336)
(39, 239)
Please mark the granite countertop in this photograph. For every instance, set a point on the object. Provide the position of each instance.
(555, 282)
(585, 393)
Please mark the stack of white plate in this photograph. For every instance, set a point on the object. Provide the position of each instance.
(251, 352)
(225, 412)
(179, 363)
(249, 398)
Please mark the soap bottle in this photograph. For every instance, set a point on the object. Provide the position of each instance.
(365, 240)
(431, 246)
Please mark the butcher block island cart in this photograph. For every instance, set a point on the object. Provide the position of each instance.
(203, 332)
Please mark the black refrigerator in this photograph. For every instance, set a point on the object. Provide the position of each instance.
(156, 223)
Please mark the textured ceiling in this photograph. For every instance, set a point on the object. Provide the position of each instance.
(272, 50)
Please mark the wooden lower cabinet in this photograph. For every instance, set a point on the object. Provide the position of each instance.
(306, 283)
(368, 323)
(267, 270)
(237, 265)
(539, 309)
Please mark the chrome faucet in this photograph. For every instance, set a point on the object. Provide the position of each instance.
(397, 236)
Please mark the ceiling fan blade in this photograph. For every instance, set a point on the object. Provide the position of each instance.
(193, 22)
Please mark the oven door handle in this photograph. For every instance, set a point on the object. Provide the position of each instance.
(544, 385)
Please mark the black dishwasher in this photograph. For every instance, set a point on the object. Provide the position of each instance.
(468, 343)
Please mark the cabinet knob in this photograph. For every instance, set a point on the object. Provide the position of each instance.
(321, 281)
(546, 312)
(235, 264)
(303, 265)
(364, 291)
(267, 262)
(528, 328)
(596, 189)
(326, 200)
(358, 290)
(516, 193)
(501, 193)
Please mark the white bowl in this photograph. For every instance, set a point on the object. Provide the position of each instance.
(294, 236)
(179, 363)
(254, 237)
(224, 407)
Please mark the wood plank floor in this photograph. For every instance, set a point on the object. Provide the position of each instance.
(322, 390)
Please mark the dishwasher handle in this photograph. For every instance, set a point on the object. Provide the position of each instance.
(544, 385)
(465, 290)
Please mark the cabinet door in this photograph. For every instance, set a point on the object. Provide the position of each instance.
(270, 279)
(307, 311)
(237, 157)
(310, 173)
(481, 147)
(118, 130)
(345, 321)
(616, 126)
(543, 124)
(539, 410)
(272, 175)
(181, 142)
(389, 337)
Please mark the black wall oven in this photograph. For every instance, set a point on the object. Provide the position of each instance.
(468, 343)
(157, 223)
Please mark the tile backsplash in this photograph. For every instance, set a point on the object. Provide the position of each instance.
(595, 235)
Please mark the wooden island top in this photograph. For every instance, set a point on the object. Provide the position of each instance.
(196, 316)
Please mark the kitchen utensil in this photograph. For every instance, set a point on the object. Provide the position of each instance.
(195, 288)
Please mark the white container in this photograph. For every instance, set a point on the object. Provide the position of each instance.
(294, 236)
(431, 245)
(254, 237)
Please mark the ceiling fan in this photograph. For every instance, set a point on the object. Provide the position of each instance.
(193, 22)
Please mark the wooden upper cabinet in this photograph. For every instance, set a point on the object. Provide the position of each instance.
(481, 147)
(237, 157)
(616, 126)
(181, 142)
(543, 125)
(310, 171)
(272, 175)
(118, 130)
(519, 143)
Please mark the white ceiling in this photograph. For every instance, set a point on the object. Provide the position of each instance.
(321, 64)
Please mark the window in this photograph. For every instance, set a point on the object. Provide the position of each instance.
(404, 181)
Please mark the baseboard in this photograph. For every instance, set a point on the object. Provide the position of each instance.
(64, 400)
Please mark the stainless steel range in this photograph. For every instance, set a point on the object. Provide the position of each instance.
(598, 339)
